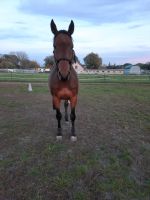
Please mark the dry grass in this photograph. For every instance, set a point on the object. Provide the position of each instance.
(110, 160)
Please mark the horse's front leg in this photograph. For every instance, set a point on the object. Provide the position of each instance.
(56, 106)
(73, 103)
(59, 130)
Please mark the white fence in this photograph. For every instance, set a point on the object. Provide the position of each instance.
(30, 71)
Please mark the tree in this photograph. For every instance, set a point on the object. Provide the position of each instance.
(145, 66)
(8, 61)
(49, 61)
(93, 61)
(5, 64)
(19, 60)
(11, 58)
(29, 64)
(22, 57)
(33, 64)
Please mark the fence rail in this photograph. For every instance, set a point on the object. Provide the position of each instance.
(83, 78)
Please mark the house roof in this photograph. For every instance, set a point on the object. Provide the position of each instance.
(128, 67)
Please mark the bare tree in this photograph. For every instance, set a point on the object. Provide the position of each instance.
(20, 54)
(22, 57)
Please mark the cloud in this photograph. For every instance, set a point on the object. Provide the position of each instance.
(11, 33)
(116, 30)
(135, 26)
(97, 12)
(20, 22)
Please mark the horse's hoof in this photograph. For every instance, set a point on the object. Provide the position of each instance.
(59, 137)
(73, 138)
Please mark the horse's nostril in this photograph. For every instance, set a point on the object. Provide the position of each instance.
(68, 77)
(63, 76)
(59, 75)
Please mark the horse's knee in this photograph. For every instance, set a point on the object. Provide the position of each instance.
(58, 115)
(54, 107)
(73, 115)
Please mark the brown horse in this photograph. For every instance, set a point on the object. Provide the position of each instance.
(63, 80)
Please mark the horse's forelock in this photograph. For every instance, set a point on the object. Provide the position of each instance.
(64, 32)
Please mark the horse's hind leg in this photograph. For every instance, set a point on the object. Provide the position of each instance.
(66, 110)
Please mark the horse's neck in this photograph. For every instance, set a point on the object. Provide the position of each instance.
(54, 68)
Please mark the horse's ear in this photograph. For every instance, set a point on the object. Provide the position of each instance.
(71, 28)
(53, 27)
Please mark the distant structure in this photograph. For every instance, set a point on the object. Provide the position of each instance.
(82, 69)
(78, 68)
(132, 69)
(41, 69)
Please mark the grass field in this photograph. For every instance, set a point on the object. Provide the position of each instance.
(84, 78)
(110, 160)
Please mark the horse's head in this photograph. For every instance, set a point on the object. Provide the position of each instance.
(63, 50)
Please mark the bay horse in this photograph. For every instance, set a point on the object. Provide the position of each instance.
(63, 80)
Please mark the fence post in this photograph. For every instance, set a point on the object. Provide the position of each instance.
(11, 75)
(104, 77)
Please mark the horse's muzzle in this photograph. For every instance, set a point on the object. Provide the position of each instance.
(62, 78)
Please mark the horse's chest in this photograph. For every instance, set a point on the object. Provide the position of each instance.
(64, 93)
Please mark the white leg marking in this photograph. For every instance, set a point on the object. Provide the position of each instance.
(59, 137)
(73, 138)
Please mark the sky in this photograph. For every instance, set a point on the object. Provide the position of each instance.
(118, 31)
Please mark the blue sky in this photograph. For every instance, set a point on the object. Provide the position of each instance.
(119, 31)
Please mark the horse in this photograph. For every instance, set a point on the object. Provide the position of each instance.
(63, 80)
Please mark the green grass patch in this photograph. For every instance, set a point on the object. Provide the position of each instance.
(79, 171)
(5, 163)
(80, 195)
(25, 156)
(83, 78)
(35, 171)
(62, 181)
(56, 148)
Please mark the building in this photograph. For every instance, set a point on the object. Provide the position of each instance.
(132, 69)
(78, 68)
(104, 71)
(82, 69)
